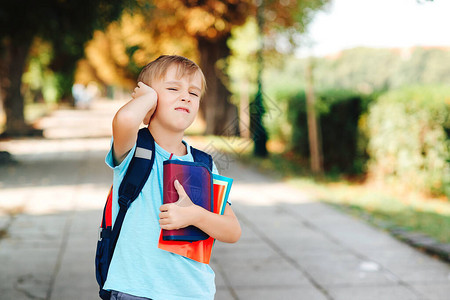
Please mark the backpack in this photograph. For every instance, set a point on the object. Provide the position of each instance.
(137, 174)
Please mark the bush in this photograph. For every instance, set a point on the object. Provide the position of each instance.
(408, 138)
(339, 112)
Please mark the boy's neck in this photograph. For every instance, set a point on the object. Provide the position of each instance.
(168, 140)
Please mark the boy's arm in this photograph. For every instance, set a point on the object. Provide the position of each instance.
(224, 228)
(182, 213)
(127, 120)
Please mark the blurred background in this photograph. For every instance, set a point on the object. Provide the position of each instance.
(348, 100)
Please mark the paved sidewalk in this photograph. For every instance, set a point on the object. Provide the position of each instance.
(292, 247)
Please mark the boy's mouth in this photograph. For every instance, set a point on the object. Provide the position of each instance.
(184, 109)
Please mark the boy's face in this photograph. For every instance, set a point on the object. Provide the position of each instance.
(178, 99)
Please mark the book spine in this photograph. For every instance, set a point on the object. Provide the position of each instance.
(170, 193)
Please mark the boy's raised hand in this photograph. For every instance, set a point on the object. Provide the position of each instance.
(146, 91)
(179, 214)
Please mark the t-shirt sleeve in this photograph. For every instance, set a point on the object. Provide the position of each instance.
(214, 169)
(110, 161)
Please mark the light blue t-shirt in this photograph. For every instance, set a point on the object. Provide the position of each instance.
(138, 266)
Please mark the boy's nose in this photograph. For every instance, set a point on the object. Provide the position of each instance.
(186, 97)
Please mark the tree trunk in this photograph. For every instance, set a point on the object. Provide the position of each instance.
(14, 64)
(220, 115)
(313, 132)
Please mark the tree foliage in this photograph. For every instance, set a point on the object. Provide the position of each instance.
(199, 29)
(66, 25)
(116, 55)
(408, 138)
(364, 70)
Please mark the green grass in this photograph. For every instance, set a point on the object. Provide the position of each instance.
(376, 204)
(430, 223)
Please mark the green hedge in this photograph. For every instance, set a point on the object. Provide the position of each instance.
(408, 131)
(343, 145)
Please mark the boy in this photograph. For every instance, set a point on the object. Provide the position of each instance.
(167, 100)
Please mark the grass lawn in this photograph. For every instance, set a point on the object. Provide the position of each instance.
(379, 204)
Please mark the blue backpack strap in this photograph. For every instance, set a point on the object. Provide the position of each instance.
(203, 157)
(139, 168)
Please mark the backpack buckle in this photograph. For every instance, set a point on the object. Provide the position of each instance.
(100, 229)
(124, 202)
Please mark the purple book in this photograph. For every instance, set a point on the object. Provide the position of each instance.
(196, 178)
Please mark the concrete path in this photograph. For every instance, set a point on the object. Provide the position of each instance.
(292, 247)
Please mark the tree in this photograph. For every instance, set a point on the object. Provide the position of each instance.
(259, 133)
(242, 67)
(66, 24)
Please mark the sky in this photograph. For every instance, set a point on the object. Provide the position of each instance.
(377, 23)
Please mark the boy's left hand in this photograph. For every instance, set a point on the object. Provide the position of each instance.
(179, 214)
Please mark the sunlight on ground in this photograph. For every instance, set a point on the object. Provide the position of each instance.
(267, 194)
(52, 199)
(22, 148)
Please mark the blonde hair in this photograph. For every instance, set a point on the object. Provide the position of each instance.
(157, 69)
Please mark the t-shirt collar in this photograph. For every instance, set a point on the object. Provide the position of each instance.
(166, 155)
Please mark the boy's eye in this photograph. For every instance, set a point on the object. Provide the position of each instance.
(194, 94)
(172, 89)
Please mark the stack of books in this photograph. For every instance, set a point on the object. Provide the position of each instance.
(205, 189)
